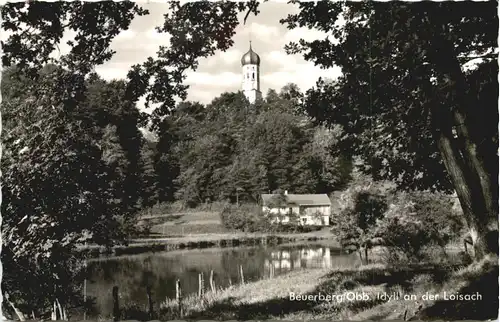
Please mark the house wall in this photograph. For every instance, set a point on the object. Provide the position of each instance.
(281, 214)
(307, 214)
(311, 210)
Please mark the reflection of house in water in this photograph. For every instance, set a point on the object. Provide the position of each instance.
(316, 258)
(284, 260)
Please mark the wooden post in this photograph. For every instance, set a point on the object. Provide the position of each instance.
(150, 302)
(116, 305)
(212, 283)
(54, 312)
(230, 282)
(178, 297)
(19, 314)
(201, 285)
(85, 299)
(85, 286)
(61, 315)
(241, 275)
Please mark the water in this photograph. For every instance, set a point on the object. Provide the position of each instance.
(132, 274)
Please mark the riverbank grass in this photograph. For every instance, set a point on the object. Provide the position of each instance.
(273, 299)
(222, 303)
(186, 223)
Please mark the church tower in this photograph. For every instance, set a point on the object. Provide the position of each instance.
(250, 63)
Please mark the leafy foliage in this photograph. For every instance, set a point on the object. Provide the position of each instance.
(405, 101)
(248, 218)
(57, 187)
(418, 221)
(233, 149)
(38, 27)
(364, 204)
(70, 176)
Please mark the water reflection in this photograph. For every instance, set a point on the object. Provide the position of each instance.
(160, 270)
(319, 257)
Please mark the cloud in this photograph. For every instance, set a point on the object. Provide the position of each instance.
(153, 35)
(229, 57)
(203, 96)
(303, 33)
(261, 32)
(110, 73)
(304, 75)
(126, 35)
(222, 72)
(224, 79)
(278, 59)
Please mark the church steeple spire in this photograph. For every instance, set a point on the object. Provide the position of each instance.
(250, 58)
(250, 63)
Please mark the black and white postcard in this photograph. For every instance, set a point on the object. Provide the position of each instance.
(260, 160)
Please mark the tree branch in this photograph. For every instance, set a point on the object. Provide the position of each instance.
(464, 59)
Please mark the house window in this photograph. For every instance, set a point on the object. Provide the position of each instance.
(253, 76)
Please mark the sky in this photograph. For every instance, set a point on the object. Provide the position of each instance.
(222, 72)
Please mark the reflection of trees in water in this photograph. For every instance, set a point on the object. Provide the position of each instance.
(133, 274)
(128, 275)
(252, 261)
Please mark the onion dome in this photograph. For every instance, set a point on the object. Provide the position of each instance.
(250, 58)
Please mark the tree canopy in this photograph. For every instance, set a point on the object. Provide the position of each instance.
(252, 149)
(404, 100)
(73, 154)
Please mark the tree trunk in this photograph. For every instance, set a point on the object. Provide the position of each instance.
(465, 182)
(459, 95)
(468, 173)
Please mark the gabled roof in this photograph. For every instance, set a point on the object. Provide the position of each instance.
(301, 199)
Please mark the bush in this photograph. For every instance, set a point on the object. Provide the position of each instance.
(292, 228)
(437, 213)
(248, 218)
(417, 223)
(406, 240)
(414, 226)
(354, 224)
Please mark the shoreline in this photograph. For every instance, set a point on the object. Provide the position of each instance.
(273, 298)
(165, 244)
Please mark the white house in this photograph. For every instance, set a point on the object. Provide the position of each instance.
(309, 209)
